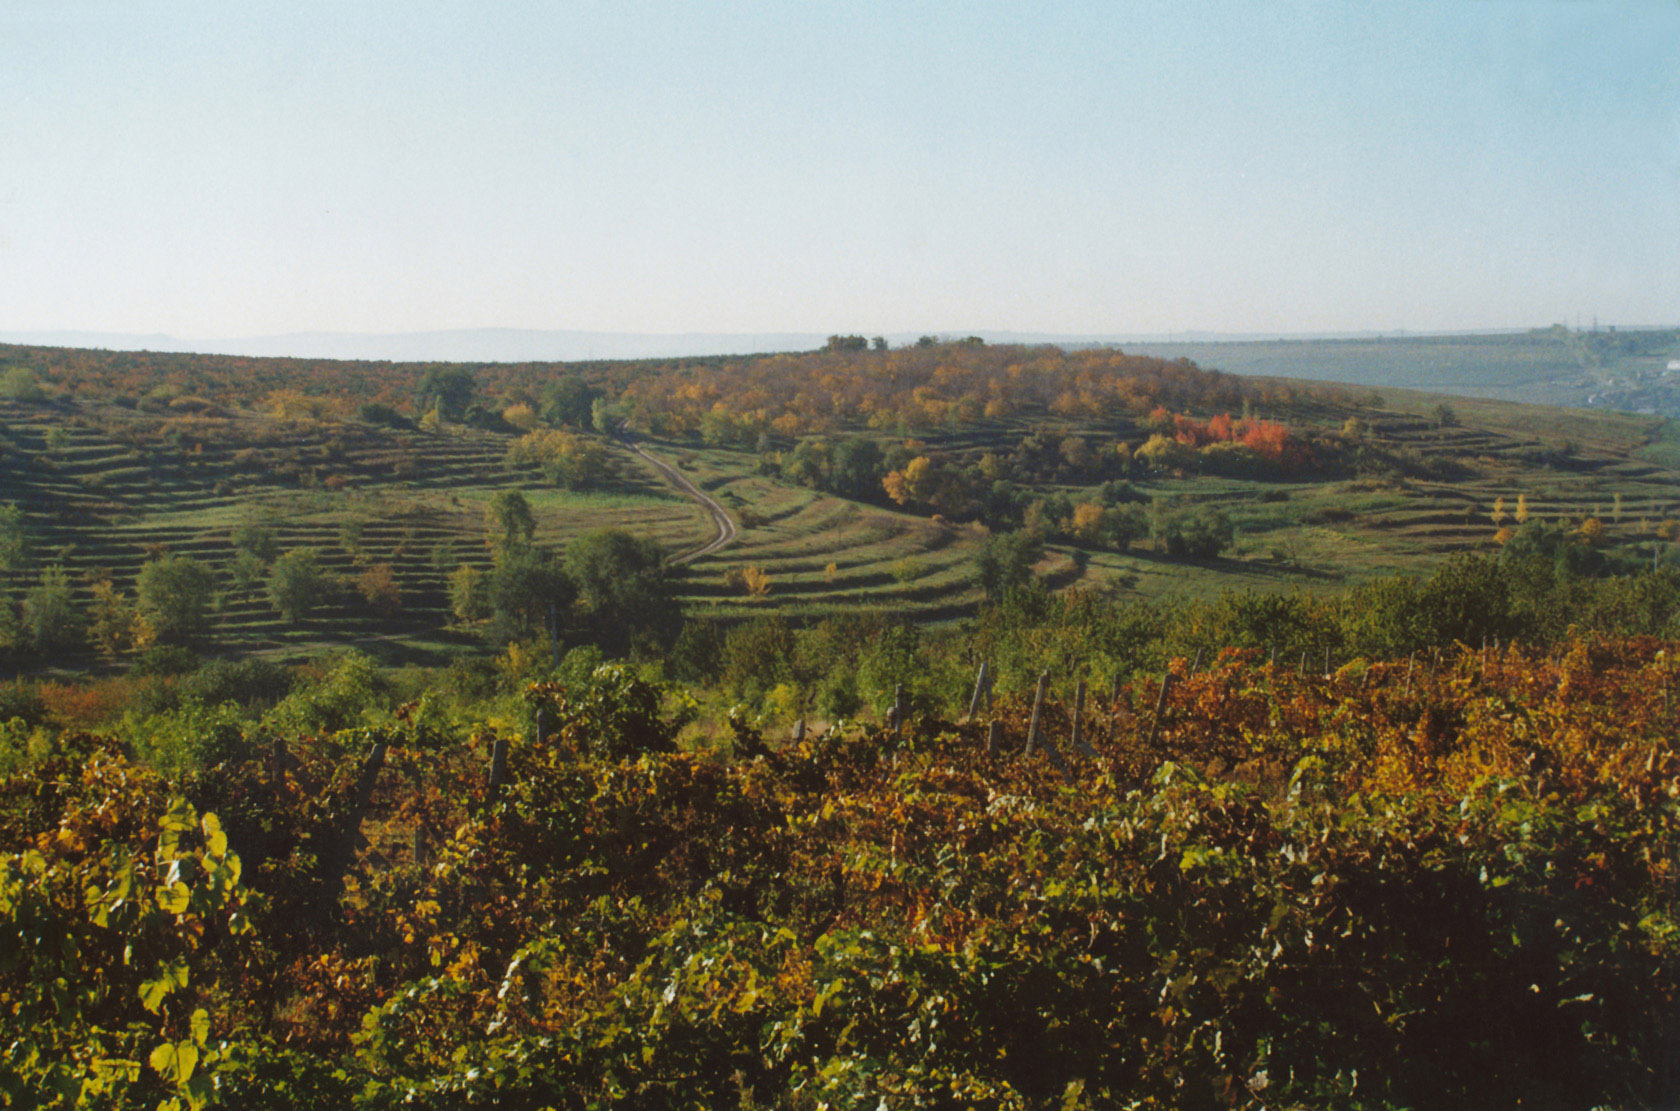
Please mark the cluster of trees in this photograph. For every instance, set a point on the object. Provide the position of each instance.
(607, 588)
(569, 459)
(930, 387)
(1108, 515)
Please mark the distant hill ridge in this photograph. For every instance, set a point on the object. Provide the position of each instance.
(518, 345)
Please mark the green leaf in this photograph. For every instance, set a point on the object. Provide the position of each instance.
(170, 976)
(175, 897)
(180, 817)
(175, 1061)
(152, 993)
(200, 1026)
(215, 840)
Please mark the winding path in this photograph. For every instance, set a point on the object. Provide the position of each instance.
(721, 520)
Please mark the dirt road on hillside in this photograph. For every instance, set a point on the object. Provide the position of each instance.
(721, 520)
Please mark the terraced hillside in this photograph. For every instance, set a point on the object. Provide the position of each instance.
(101, 494)
(105, 485)
(822, 554)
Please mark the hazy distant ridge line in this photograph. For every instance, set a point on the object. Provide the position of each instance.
(496, 345)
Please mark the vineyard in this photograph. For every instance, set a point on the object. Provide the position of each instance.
(1439, 881)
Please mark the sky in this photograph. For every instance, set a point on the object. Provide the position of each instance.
(217, 169)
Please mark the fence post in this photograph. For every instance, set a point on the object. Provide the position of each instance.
(900, 708)
(370, 776)
(339, 851)
(994, 738)
(544, 726)
(799, 731)
(1037, 710)
(1160, 706)
(1195, 665)
(979, 689)
(1080, 744)
(498, 765)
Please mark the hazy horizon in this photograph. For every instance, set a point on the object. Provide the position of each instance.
(508, 345)
(1080, 169)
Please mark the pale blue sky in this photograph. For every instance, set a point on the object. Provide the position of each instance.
(229, 169)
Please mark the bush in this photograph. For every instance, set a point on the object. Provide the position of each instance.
(248, 683)
(296, 583)
(1200, 533)
(616, 715)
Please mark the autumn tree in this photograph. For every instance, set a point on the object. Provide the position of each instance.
(114, 625)
(1086, 524)
(377, 584)
(469, 595)
(918, 481)
(569, 460)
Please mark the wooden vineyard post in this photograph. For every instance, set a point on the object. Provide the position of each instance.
(1037, 710)
(1080, 744)
(1114, 691)
(798, 731)
(979, 690)
(544, 729)
(498, 766)
(1410, 660)
(899, 710)
(1160, 706)
(994, 738)
(1195, 665)
(346, 831)
(365, 781)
